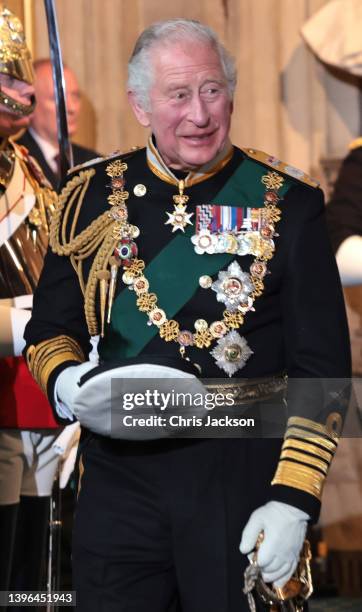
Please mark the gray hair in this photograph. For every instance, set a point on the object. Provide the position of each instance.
(140, 75)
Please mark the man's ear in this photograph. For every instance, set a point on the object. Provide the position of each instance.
(140, 113)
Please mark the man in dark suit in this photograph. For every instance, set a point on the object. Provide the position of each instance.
(41, 138)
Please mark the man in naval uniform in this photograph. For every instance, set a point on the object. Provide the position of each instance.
(190, 251)
(27, 426)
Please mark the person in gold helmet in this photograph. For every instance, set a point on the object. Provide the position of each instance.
(27, 428)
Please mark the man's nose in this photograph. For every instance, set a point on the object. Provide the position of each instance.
(70, 107)
(73, 105)
(198, 111)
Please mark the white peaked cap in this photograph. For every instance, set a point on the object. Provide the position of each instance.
(335, 35)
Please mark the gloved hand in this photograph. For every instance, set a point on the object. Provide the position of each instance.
(19, 319)
(12, 326)
(284, 528)
(349, 260)
(67, 466)
(104, 400)
(66, 388)
(66, 446)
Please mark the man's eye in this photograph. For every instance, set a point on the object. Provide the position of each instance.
(211, 91)
(180, 95)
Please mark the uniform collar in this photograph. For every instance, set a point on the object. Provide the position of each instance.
(158, 166)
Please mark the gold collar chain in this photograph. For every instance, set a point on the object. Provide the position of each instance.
(231, 351)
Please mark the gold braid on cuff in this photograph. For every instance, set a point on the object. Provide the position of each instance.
(307, 452)
(43, 358)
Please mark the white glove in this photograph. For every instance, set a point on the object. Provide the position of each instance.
(106, 402)
(67, 466)
(66, 446)
(349, 261)
(19, 319)
(23, 301)
(284, 528)
(66, 388)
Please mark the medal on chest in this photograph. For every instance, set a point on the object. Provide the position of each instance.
(179, 218)
(235, 288)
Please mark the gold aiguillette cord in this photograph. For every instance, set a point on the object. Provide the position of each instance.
(103, 276)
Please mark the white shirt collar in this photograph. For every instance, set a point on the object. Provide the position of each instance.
(49, 151)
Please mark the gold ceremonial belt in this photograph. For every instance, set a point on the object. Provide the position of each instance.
(249, 390)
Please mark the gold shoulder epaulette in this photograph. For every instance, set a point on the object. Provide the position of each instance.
(357, 142)
(86, 164)
(98, 160)
(279, 166)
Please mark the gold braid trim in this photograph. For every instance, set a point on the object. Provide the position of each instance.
(315, 450)
(43, 358)
(74, 191)
(99, 264)
(307, 452)
(77, 260)
(311, 438)
(97, 237)
(299, 476)
(288, 453)
(325, 430)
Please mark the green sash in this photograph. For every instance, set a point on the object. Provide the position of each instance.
(174, 273)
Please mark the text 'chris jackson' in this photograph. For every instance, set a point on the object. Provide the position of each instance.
(180, 421)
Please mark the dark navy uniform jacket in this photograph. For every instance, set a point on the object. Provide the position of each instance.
(298, 326)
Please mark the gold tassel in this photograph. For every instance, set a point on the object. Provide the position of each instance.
(103, 276)
(112, 285)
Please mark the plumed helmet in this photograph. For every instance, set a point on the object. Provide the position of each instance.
(15, 57)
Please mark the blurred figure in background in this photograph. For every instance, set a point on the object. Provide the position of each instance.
(41, 138)
(344, 216)
(334, 35)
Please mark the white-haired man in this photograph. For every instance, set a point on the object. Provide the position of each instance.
(229, 266)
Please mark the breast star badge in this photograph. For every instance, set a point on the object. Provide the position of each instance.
(231, 353)
(179, 218)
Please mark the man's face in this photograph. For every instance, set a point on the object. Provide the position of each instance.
(190, 107)
(20, 91)
(44, 118)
